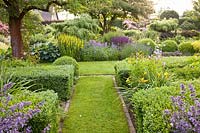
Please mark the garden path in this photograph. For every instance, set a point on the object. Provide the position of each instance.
(95, 106)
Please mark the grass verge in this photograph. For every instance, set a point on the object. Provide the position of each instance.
(97, 67)
(95, 108)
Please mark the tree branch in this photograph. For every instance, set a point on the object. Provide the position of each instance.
(7, 2)
(31, 7)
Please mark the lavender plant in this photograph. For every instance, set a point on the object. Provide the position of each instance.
(97, 44)
(185, 114)
(14, 117)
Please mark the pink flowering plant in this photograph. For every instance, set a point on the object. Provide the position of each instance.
(185, 114)
(4, 29)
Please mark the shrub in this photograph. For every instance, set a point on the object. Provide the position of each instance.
(132, 49)
(190, 33)
(70, 46)
(148, 106)
(131, 33)
(83, 27)
(47, 52)
(28, 111)
(99, 53)
(120, 41)
(167, 14)
(169, 46)
(166, 35)
(186, 48)
(187, 26)
(57, 78)
(184, 114)
(164, 25)
(196, 46)
(108, 36)
(66, 60)
(148, 42)
(144, 73)
(154, 35)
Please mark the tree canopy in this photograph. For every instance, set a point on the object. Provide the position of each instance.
(106, 11)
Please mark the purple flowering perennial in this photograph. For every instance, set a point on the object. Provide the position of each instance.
(184, 116)
(13, 119)
(121, 40)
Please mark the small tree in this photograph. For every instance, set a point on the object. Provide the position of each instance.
(16, 10)
(167, 14)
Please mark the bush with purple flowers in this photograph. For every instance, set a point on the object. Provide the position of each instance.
(14, 118)
(185, 114)
(120, 40)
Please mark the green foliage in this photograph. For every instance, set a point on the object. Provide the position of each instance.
(148, 42)
(16, 63)
(187, 26)
(47, 52)
(148, 107)
(189, 71)
(196, 46)
(49, 111)
(169, 46)
(164, 25)
(167, 14)
(66, 60)
(108, 36)
(92, 53)
(186, 48)
(57, 78)
(108, 11)
(70, 46)
(131, 33)
(132, 49)
(83, 27)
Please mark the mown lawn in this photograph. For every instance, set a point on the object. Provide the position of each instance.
(97, 67)
(95, 108)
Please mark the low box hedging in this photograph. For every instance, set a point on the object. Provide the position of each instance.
(57, 78)
(149, 105)
(49, 110)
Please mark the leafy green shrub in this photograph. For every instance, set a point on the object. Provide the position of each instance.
(148, 42)
(187, 26)
(16, 63)
(70, 45)
(164, 25)
(108, 36)
(97, 53)
(83, 27)
(49, 111)
(57, 78)
(186, 48)
(66, 60)
(190, 33)
(148, 107)
(196, 46)
(132, 49)
(143, 73)
(154, 35)
(131, 33)
(167, 14)
(47, 52)
(169, 46)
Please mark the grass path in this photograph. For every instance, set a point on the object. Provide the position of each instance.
(97, 67)
(95, 108)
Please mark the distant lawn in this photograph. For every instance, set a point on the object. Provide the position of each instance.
(95, 108)
(97, 67)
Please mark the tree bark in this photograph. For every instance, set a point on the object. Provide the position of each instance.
(15, 24)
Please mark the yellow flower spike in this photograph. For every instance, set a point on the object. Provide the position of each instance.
(128, 80)
(142, 80)
(166, 74)
(158, 74)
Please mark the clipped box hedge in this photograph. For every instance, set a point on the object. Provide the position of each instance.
(149, 105)
(50, 112)
(57, 78)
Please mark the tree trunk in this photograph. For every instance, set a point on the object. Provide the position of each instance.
(16, 37)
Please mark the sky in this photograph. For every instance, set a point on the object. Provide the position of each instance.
(178, 5)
